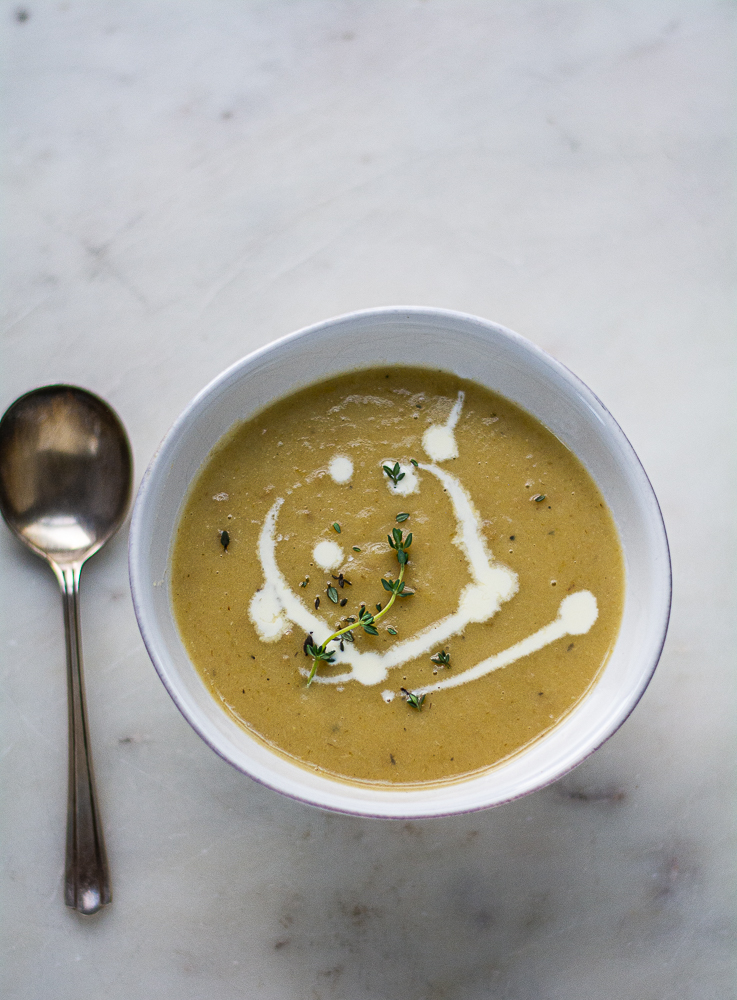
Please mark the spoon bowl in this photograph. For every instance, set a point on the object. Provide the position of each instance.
(65, 487)
(65, 472)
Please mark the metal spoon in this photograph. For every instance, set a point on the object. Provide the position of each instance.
(65, 486)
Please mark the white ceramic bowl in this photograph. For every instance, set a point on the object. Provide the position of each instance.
(471, 348)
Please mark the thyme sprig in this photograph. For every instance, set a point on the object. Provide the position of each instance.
(366, 620)
(441, 659)
(415, 700)
(395, 474)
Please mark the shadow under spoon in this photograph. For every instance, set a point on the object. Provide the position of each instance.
(65, 487)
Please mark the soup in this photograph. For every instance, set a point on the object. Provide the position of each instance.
(462, 557)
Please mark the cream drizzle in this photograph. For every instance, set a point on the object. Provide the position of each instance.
(439, 440)
(327, 554)
(340, 468)
(576, 614)
(493, 583)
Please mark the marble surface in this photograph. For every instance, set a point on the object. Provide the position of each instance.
(185, 181)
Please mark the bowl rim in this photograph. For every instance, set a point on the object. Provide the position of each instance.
(361, 808)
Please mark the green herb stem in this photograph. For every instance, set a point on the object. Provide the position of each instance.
(366, 620)
(349, 628)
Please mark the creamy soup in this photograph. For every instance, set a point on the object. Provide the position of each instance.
(297, 527)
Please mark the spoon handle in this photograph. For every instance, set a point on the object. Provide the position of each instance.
(87, 880)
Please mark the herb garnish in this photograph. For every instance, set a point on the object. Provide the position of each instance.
(318, 653)
(402, 517)
(305, 581)
(356, 548)
(539, 498)
(390, 630)
(224, 540)
(336, 526)
(416, 464)
(332, 594)
(441, 659)
(365, 619)
(395, 540)
(415, 700)
(394, 474)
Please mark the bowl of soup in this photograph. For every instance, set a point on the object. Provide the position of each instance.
(401, 563)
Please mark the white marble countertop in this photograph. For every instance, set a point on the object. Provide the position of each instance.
(186, 180)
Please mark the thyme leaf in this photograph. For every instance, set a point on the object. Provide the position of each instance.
(395, 474)
(318, 654)
(415, 700)
(366, 620)
(441, 659)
